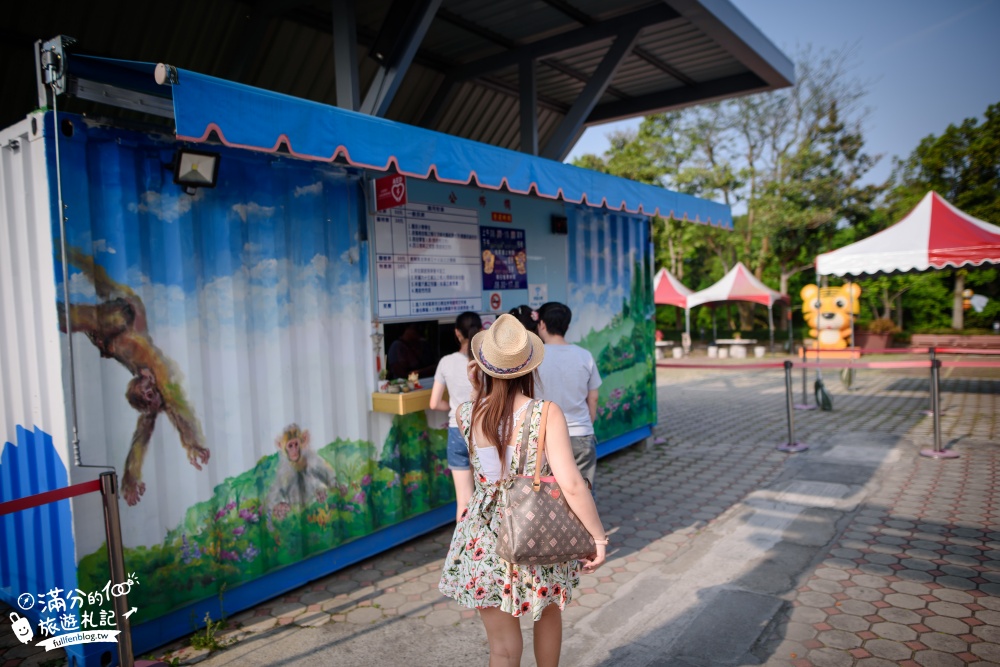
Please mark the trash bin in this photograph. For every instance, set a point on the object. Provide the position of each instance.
(759, 351)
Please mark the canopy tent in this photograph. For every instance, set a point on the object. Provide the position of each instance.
(669, 291)
(740, 285)
(934, 235)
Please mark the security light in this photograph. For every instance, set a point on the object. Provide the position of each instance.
(195, 169)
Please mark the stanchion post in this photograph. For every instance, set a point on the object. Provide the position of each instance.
(930, 397)
(939, 452)
(791, 445)
(805, 404)
(116, 565)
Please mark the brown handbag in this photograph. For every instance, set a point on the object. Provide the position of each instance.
(537, 527)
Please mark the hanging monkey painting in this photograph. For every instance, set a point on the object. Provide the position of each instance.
(117, 327)
(303, 476)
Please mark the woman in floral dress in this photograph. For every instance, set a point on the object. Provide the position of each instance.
(473, 574)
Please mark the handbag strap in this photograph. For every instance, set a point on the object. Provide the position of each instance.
(523, 444)
(537, 483)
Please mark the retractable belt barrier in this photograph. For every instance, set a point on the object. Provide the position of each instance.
(107, 486)
(934, 364)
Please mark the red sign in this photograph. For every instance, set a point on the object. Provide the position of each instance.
(502, 217)
(495, 301)
(390, 192)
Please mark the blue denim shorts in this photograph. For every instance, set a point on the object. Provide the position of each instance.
(458, 451)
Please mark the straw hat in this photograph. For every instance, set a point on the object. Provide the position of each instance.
(507, 350)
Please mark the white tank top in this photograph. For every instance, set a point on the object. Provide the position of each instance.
(489, 458)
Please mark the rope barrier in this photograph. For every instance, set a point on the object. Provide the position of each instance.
(49, 497)
(971, 364)
(864, 364)
(732, 367)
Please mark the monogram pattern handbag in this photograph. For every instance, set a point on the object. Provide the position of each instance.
(537, 527)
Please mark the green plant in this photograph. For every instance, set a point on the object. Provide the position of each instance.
(207, 638)
(883, 325)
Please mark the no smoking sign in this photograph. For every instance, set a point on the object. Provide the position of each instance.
(495, 301)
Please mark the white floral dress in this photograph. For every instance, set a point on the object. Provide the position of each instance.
(473, 573)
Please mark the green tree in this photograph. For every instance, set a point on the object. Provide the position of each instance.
(963, 166)
(790, 162)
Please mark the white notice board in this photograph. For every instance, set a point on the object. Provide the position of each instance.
(427, 261)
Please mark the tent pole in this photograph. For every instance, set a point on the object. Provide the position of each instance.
(791, 336)
(770, 324)
(850, 296)
(714, 334)
(687, 320)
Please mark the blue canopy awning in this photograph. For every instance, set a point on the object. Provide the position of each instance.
(257, 119)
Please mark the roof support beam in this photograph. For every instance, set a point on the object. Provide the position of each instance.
(253, 35)
(703, 93)
(345, 54)
(529, 108)
(390, 75)
(561, 142)
(659, 13)
(585, 19)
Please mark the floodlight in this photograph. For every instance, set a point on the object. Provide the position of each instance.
(195, 169)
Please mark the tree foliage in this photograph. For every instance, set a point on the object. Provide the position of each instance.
(789, 162)
(792, 164)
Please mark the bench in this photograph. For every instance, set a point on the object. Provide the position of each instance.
(954, 340)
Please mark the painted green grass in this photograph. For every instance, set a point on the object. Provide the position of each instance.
(232, 539)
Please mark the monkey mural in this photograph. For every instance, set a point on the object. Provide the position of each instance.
(303, 476)
(117, 327)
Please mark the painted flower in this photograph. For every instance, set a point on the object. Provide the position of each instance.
(543, 591)
(250, 553)
(478, 553)
(480, 593)
(366, 480)
(506, 591)
(239, 530)
(359, 497)
(525, 606)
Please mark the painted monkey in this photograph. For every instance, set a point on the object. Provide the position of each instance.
(117, 328)
(303, 475)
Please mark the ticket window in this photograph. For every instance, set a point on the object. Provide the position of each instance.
(417, 346)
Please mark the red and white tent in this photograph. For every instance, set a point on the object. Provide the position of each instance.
(740, 285)
(737, 285)
(669, 291)
(934, 235)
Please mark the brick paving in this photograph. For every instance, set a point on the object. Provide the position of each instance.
(912, 578)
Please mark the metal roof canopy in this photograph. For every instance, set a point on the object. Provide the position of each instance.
(522, 75)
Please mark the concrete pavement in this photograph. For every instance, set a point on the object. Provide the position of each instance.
(724, 550)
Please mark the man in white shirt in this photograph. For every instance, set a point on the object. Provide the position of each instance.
(568, 376)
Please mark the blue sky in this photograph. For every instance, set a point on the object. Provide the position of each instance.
(927, 64)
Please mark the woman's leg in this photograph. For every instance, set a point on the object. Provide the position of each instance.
(504, 634)
(548, 636)
(461, 471)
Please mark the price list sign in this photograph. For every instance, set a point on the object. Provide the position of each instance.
(427, 261)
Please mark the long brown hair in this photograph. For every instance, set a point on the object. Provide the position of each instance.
(495, 407)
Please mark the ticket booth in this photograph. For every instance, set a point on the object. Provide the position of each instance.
(261, 267)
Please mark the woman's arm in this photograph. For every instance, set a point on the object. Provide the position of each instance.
(437, 397)
(559, 454)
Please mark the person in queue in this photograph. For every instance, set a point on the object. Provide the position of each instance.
(506, 357)
(569, 378)
(527, 317)
(453, 374)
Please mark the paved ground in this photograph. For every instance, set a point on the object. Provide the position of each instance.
(725, 551)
